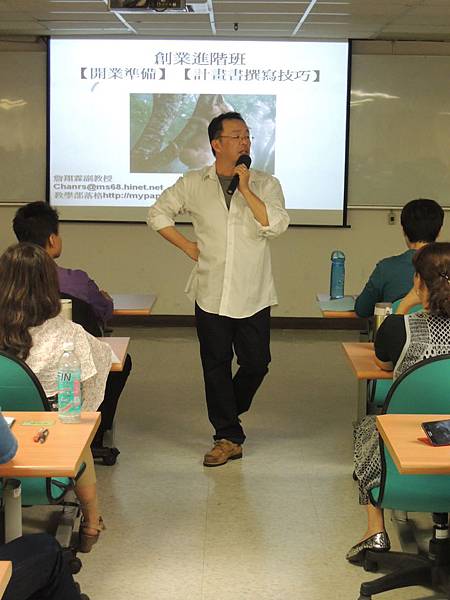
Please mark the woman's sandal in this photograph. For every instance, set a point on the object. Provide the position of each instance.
(87, 540)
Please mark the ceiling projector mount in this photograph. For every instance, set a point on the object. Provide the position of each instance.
(148, 5)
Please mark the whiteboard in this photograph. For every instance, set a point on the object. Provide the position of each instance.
(399, 130)
(22, 126)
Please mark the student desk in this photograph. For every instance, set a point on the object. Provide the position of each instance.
(5, 574)
(411, 456)
(59, 456)
(119, 345)
(133, 304)
(342, 308)
(361, 356)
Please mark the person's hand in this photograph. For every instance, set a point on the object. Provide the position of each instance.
(191, 250)
(244, 176)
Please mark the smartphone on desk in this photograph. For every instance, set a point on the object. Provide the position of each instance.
(438, 432)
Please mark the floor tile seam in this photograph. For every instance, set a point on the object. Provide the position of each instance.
(202, 582)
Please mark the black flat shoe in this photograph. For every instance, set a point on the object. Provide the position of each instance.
(379, 542)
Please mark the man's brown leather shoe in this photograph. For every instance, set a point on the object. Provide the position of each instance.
(222, 452)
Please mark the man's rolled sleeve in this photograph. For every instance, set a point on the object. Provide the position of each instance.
(276, 213)
(167, 207)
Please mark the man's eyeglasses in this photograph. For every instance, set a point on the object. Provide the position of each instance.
(235, 138)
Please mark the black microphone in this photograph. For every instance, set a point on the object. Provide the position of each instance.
(244, 159)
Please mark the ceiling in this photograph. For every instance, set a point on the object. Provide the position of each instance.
(357, 19)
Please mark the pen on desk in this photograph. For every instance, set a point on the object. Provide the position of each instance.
(41, 435)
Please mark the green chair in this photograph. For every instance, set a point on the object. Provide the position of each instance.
(20, 390)
(423, 389)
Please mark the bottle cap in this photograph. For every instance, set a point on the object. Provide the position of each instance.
(337, 254)
(68, 346)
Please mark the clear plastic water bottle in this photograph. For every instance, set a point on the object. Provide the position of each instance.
(69, 385)
(337, 277)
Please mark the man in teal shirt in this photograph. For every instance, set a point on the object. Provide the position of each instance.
(392, 278)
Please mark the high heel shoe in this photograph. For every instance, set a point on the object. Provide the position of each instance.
(379, 542)
(87, 540)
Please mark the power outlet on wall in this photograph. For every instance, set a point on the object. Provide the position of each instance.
(391, 217)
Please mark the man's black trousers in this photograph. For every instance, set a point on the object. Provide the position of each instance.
(226, 396)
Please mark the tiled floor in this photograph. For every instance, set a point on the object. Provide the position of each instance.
(274, 526)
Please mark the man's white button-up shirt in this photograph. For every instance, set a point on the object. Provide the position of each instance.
(233, 275)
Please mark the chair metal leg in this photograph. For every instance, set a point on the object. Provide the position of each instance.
(12, 496)
(416, 570)
(67, 519)
(361, 407)
(431, 571)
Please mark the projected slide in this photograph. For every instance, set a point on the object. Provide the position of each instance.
(128, 117)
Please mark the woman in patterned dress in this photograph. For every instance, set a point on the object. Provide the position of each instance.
(32, 329)
(402, 341)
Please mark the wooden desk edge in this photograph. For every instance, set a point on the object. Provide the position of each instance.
(10, 470)
(363, 374)
(343, 314)
(5, 574)
(117, 366)
(132, 312)
(143, 311)
(406, 469)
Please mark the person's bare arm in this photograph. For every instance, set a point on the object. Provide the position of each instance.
(385, 366)
(411, 299)
(172, 235)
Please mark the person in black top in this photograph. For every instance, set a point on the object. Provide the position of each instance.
(402, 341)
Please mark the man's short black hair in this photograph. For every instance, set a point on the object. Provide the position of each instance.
(215, 128)
(422, 220)
(35, 223)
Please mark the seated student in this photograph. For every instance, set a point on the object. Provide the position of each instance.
(392, 278)
(402, 341)
(32, 329)
(38, 567)
(38, 223)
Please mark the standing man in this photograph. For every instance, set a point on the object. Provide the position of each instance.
(231, 283)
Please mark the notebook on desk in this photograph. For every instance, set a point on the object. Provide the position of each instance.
(345, 304)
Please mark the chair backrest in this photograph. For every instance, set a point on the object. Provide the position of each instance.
(20, 389)
(413, 309)
(423, 389)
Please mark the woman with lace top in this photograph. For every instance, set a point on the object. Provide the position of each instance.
(32, 329)
(402, 341)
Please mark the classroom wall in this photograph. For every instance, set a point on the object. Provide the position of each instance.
(132, 258)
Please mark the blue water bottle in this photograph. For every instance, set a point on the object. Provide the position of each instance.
(337, 277)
